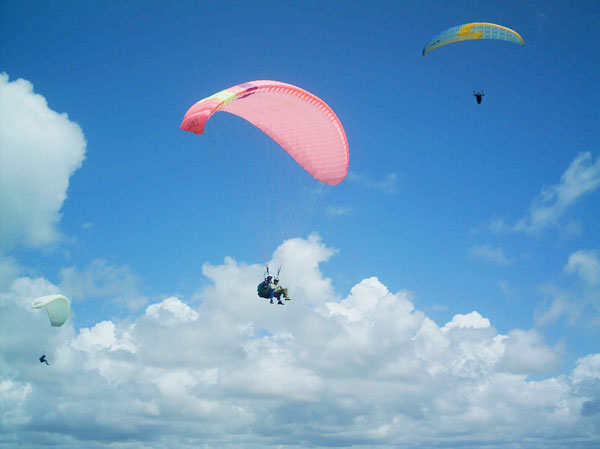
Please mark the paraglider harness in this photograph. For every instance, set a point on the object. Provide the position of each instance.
(264, 289)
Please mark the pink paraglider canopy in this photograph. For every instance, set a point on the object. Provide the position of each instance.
(297, 120)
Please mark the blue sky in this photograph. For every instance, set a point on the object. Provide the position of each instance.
(478, 218)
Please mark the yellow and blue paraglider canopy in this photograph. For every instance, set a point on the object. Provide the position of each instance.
(473, 31)
(57, 307)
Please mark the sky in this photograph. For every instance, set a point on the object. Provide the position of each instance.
(445, 294)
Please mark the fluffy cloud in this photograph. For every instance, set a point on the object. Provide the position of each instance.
(581, 177)
(9, 270)
(586, 381)
(37, 144)
(226, 369)
(526, 353)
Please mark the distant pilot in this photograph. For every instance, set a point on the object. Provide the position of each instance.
(479, 96)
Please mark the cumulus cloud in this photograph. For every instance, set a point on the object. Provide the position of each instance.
(9, 270)
(526, 353)
(226, 369)
(173, 308)
(586, 381)
(471, 320)
(11, 394)
(36, 144)
(582, 177)
(101, 336)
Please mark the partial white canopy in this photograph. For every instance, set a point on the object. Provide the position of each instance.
(57, 307)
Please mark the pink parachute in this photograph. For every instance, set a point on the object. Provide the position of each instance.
(297, 120)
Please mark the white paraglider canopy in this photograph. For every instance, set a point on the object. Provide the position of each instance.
(57, 307)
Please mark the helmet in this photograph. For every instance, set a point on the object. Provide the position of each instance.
(268, 278)
(276, 281)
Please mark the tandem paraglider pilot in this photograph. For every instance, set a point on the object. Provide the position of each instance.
(270, 288)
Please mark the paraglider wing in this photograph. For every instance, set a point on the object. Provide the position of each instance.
(57, 307)
(301, 123)
(473, 31)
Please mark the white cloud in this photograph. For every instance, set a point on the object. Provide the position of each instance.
(228, 370)
(490, 254)
(364, 300)
(471, 320)
(172, 308)
(588, 369)
(39, 150)
(102, 336)
(9, 270)
(526, 353)
(23, 290)
(581, 177)
(586, 263)
(175, 383)
(13, 399)
(586, 381)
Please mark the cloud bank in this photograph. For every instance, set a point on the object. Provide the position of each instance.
(39, 150)
(226, 369)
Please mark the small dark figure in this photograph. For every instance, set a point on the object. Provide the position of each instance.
(479, 96)
(43, 359)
